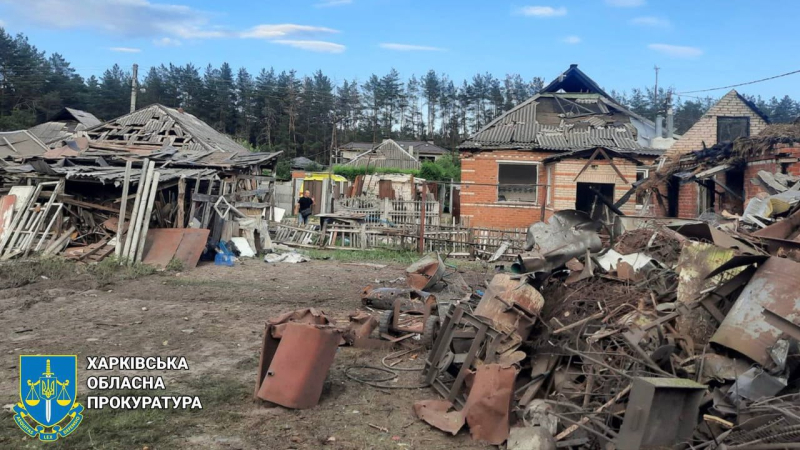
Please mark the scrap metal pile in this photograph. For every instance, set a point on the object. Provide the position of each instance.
(655, 333)
(651, 333)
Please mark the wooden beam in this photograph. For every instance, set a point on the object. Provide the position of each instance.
(180, 222)
(729, 190)
(614, 166)
(88, 205)
(121, 222)
(588, 163)
(256, 177)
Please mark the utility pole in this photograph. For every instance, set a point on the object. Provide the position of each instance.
(134, 86)
(655, 91)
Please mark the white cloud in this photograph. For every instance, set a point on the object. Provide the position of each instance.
(329, 3)
(652, 21)
(2, 23)
(411, 48)
(284, 30)
(131, 18)
(571, 40)
(677, 51)
(125, 49)
(543, 11)
(165, 23)
(314, 46)
(167, 42)
(625, 3)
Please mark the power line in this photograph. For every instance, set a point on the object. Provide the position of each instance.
(740, 84)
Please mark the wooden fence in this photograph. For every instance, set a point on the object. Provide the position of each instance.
(453, 241)
(395, 213)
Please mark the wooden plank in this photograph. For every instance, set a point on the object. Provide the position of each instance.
(134, 229)
(146, 219)
(256, 177)
(180, 222)
(136, 203)
(123, 206)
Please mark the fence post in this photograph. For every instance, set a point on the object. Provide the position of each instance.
(385, 212)
(421, 243)
(471, 239)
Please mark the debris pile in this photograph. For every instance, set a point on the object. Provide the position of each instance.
(672, 333)
(651, 333)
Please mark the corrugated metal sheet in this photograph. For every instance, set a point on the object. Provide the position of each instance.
(388, 154)
(158, 125)
(20, 144)
(574, 121)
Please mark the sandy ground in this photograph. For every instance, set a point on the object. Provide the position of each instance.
(214, 316)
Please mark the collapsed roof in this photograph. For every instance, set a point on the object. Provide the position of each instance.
(571, 113)
(64, 124)
(171, 135)
(20, 144)
(419, 147)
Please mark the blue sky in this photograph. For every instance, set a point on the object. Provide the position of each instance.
(698, 44)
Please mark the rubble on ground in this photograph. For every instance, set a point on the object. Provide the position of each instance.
(674, 333)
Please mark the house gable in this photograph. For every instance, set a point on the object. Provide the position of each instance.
(387, 154)
(704, 131)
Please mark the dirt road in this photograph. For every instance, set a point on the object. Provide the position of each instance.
(214, 316)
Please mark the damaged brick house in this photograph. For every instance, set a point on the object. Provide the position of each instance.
(561, 149)
(688, 185)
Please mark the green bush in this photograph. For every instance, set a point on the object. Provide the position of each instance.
(445, 168)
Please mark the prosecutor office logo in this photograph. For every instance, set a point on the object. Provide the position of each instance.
(47, 390)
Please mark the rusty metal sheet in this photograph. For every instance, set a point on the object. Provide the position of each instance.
(192, 246)
(775, 286)
(273, 331)
(437, 413)
(362, 324)
(300, 365)
(785, 229)
(383, 297)
(426, 272)
(497, 305)
(309, 316)
(488, 404)
(184, 244)
(6, 212)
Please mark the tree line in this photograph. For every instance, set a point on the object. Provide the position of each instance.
(302, 115)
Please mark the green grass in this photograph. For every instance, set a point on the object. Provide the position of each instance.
(109, 270)
(181, 281)
(383, 256)
(22, 272)
(124, 429)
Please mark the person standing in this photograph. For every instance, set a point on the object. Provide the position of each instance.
(303, 208)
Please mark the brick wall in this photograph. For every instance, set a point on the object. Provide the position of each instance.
(479, 192)
(687, 200)
(705, 130)
(599, 172)
(751, 170)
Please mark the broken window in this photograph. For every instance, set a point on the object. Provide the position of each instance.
(730, 128)
(517, 182)
(641, 174)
